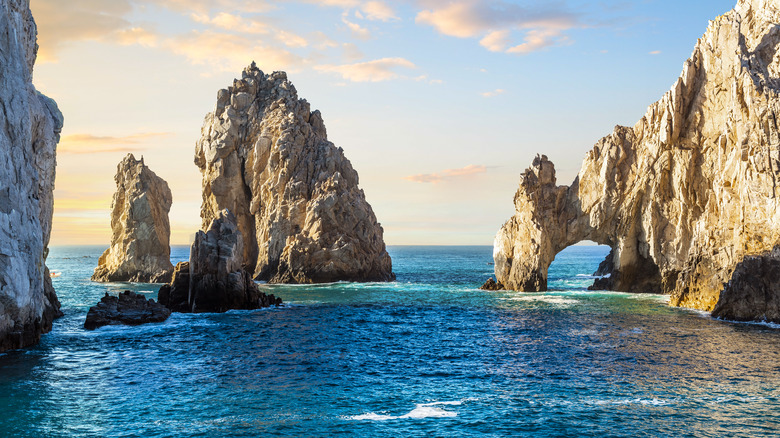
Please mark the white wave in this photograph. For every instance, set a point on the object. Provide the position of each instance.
(593, 277)
(420, 411)
(633, 401)
(550, 299)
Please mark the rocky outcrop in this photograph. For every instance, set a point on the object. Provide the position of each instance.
(753, 292)
(685, 194)
(129, 308)
(492, 285)
(214, 280)
(264, 155)
(140, 242)
(30, 125)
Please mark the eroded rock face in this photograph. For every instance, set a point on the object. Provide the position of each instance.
(264, 155)
(753, 292)
(685, 194)
(30, 125)
(214, 280)
(129, 308)
(140, 243)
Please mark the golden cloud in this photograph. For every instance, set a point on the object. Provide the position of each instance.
(371, 71)
(90, 144)
(469, 170)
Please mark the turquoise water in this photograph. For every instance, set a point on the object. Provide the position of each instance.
(428, 355)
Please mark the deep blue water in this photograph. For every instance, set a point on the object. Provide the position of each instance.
(428, 355)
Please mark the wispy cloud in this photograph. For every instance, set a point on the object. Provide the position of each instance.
(655, 52)
(233, 22)
(90, 144)
(357, 31)
(371, 71)
(493, 93)
(499, 22)
(434, 178)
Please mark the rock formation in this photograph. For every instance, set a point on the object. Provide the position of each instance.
(140, 242)
(685, 194)
(129, 308)
(265, 156)
(492, 285)
(753, 293)
(30, 125)
(214, 280)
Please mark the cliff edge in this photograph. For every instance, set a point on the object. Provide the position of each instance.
(685, 194)
(30, 125)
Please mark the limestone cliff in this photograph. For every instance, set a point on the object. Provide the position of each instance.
(753, 292)
(30, 125)
(264, 155)
(685, 194)
(140, 243)
(214, 279)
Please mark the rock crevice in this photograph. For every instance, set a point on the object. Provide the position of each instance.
(685, 194)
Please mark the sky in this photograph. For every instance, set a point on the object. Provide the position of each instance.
(440, 105)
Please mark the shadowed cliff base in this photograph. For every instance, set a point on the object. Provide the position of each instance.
(685, 194)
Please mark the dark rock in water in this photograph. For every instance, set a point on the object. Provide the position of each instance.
(214, 279)
(491, 284)
(753, 293)
(606, 266)
(128, 308)
(176, 295)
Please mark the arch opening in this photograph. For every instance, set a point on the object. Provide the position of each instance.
(581, 266)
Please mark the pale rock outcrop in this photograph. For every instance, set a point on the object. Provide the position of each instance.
(140, 248)
(30, 125)
(685, 194)
(215, 280)
(264, 155)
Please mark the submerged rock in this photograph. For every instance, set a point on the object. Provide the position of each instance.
(140, 243)
(129, 308)
(30, 125)
(214, 279)
(685, 194)
(753, 292)
(265, 156)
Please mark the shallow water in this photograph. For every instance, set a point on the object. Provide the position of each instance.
(428, 355)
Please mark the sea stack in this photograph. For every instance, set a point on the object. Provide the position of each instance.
(683, 196)
(214, 279)
(140, 242)
(29, 133)
(265, 156)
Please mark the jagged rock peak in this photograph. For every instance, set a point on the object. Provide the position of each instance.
(140, 248)
(685, 194)
(29, 132)
(214, 280)
(264, 155)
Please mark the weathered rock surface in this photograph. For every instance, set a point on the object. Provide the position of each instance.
(685, 194)
(753, 293)
(140, 243)
(30, 125)
(214, 280)
(265, 156)
(129, 308)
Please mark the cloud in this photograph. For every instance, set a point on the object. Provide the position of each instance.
(371, 71)
(233, 22)
(655, 52)
(89, 143)
(493, 93)
(358, 31)
(229, 53)
(434, 178)
(376, 10)
(498, 22)
(206, 6)
(290, 39)
(137, 35)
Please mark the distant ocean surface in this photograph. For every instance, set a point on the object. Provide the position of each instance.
(428, 355)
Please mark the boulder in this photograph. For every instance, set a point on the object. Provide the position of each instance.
(753, 292)
(140, 248)
(265, 156)
(492, 285)
(682, 196)
(129, 308)
(214, 280)
(30, 125)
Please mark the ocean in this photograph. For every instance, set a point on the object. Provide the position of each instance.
(427, 355)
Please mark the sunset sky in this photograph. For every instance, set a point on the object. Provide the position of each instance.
(439, 105)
